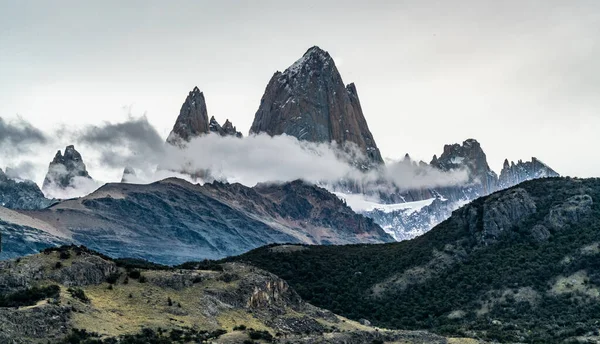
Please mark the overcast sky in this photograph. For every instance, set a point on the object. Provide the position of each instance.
(522, 77)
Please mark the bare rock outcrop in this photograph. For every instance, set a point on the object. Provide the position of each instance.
(573, 210)
(503, 212)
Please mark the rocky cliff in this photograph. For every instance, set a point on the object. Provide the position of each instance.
(310, 102)
(193, 121)
(65, 169)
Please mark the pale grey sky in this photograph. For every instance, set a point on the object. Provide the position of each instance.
(522, 77)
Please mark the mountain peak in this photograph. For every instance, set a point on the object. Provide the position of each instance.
(310, 101)
(314, 58)
(469, 156)
(192, 120)
(64, 168)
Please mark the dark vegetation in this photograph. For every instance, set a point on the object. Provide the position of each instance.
(79, 294)
(341, 278)
(29, 297)
(258, 335)
(202, 265)
(146, 336)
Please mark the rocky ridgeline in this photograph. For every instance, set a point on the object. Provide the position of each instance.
(173, 221)
(482, 181)
(513, 174)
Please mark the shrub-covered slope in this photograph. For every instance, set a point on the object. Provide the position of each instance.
(522, 264)
(74, 295)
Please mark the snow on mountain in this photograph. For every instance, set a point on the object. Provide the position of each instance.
(360, 203)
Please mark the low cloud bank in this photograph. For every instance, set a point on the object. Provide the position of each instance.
(135, 143)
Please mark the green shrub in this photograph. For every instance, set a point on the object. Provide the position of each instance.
(29, 297)
(79, 294)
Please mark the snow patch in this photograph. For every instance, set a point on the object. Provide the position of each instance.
(360, 203)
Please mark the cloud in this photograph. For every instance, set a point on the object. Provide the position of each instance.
(17, 136)
(78, 187)
(63, 184)
(407, 175)
(24, 170)
(134, 142)
(258, 158)
(262, 158)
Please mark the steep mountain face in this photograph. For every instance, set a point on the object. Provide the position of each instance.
(520, 265)
(174, 221)
(90, 295)
(513, 174)
(16, 194)
(193, 121)
(65, 169)
(310, 102)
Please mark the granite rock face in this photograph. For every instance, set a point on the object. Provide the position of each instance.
(488, 218)
(571, 211)
(193, 121)
(503, 211)
(310, 102)
(64, 169)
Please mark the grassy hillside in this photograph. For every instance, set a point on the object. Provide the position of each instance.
(519, 265)
(74, 295)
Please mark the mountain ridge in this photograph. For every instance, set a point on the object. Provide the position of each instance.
(173, 221)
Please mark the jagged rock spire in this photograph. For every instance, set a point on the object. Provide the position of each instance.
(193, 121)
(64, 168)
(310, 102)
(226, 130)
(513, 174)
